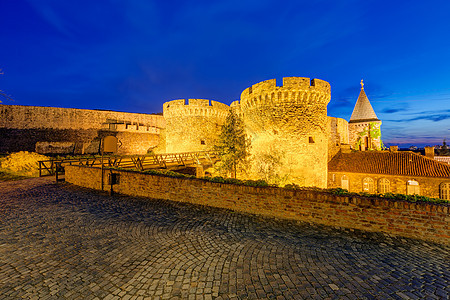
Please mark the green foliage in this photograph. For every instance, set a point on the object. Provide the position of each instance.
(168, 174)
(373, 132)
(232, 146)
(413, 198)
(269, 165)
(292, 186)
(339, 192)
(256, 183)
(263, 183)
(8, 176)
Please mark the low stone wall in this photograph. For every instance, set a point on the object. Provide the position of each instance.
(425, 221)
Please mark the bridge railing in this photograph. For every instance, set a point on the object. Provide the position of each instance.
(55, 167)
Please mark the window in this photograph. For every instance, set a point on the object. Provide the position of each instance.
(311, 140)
(412, 187)
(368, 185)
(384, 186)
(344, 182)
(444, 191)
(202, 142)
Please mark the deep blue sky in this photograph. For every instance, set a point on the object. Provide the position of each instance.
(135, 55)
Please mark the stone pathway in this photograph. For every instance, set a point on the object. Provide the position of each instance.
(59, 241)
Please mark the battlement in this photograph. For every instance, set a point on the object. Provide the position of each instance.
(290, 83)
(195, 107)
(294, 90)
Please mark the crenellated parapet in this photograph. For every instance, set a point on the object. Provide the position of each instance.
(289, 122)
(194, 124)
(299, 90)
(195, 108)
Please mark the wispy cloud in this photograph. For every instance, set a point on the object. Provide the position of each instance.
(434, 116)
(398, 107)
(391, 110)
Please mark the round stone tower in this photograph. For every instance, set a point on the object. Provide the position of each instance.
(194, 126)
(289, 123)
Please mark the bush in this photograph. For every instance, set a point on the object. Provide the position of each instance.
(292, 186)
(22, 163)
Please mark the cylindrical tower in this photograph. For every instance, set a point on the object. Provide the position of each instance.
(289, 123)
(194, 126)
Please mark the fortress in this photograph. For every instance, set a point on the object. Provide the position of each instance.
(288, 121)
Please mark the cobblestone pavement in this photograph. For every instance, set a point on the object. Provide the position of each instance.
(62, 241)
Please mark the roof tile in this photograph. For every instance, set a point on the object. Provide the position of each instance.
(389, 163)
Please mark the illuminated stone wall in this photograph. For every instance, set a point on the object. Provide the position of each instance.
(338, 135)
(360, 130)
(291, 121)
(21, 127)
(193, 126)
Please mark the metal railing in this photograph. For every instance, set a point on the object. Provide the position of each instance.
(55, 167)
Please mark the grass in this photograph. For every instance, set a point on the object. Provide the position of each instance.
(6, 176)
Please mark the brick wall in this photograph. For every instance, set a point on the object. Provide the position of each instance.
(420, 220)
(428, 186)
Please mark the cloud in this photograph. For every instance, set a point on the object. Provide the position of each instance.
(391, 110)
(400, 107)
(435, 118)
(435, 115)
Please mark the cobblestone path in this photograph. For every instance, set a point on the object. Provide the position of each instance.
(61, 241)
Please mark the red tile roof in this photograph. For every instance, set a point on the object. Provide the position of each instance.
(390, 163)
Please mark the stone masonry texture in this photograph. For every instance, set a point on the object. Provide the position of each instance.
(290, 120)
(426, 221)
(59, 241)
(22, 127)
(193, 126)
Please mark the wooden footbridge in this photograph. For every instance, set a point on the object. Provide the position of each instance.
(167, 161)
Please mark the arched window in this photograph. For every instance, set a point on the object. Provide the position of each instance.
(384, 186)
(444, 191)
(412, 187)
(344, 182)
(368, 185)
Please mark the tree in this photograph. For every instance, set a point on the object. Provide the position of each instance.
(2, 93)
(233, 145)
(444, 149)
(269, 164)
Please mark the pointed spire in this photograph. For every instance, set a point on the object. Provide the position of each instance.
(363, 110)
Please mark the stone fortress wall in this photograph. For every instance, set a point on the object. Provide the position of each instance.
(290, 121)
(193, 126)
(78, 130)
(338, 135)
